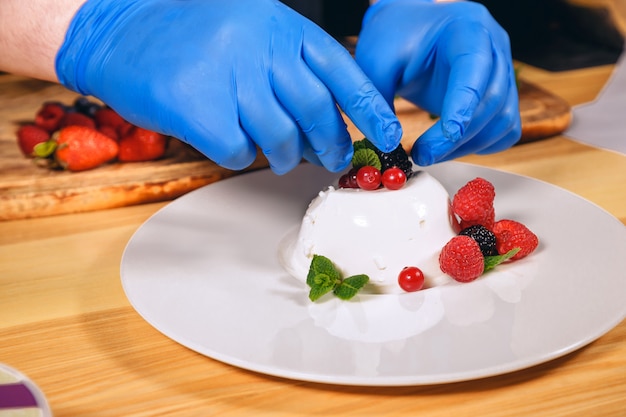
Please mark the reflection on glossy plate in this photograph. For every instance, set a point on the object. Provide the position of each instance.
(205, 272)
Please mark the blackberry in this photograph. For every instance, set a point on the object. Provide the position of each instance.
(484, 237)
(396, 158)
(86, 106)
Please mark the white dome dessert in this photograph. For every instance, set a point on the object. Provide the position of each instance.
(376, 233)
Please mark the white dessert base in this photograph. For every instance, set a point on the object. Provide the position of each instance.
(376, 233)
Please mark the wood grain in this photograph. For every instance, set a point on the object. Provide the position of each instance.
(116, 364)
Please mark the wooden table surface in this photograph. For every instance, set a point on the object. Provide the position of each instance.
(66, 323)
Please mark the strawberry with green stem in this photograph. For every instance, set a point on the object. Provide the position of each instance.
(78, 148)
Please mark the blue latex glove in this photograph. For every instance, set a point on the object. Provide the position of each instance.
(225, 76)
(452, 60)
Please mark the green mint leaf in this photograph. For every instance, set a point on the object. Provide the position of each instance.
(323, 277)
(493, 261)
(350, 286)
(364, 157)
(321, 265)
(359, 144)
(323, 280)
(363, 144)
(323, 288)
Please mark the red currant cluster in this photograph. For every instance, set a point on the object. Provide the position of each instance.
(370, 178)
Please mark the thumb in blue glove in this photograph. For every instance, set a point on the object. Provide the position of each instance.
(451, 59)
(226, 77)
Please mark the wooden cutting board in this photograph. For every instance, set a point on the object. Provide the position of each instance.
(28, 190)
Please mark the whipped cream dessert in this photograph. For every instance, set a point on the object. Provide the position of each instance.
(376, 233)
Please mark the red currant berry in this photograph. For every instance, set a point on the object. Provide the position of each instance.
(348, 180)
(411, 279)
(393, 178)
(368, 178)
(344, 181)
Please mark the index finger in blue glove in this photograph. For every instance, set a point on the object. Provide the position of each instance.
(353, 91)
(502, 129)
(314, 109)
(468, 49)
(309, 102)
(498, 135)
(496, 118)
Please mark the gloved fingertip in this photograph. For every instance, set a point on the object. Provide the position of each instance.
(393, 134)
(429, 151)
(312, 158)
(421, 155)
(341, 163)
(388, 137)
(452, 130)
(279, 170)
(425, 160)
(335, 161)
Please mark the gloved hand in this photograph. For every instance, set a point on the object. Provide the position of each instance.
(452, 60)
(225, 76)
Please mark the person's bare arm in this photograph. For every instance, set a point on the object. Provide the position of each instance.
(31, 32)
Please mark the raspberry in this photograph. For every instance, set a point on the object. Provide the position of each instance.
(30, 135)
(124, 129)
(396, 158)
(109, 131)
(486, 221)
(49, 116)
(106, 116)
(511, 234)
(473, 203)
(484, 237)
(462, 259)
(77, 119)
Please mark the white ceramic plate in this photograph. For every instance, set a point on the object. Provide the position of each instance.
(204, 271)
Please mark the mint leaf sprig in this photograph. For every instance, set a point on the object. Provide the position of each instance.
(323, 278)
(493, 261)
(365, 154)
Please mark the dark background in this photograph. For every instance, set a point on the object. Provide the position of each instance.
(554, 35)
(550, 34)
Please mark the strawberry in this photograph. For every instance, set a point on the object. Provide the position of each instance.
(106, 116)
(30, 135)
(141, 145)
(473, 203)
(49, 116)
(78, 148)
(462, 259)
(77, 119)
(512, 234)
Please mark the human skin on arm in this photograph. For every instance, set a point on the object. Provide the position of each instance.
(31, 33)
